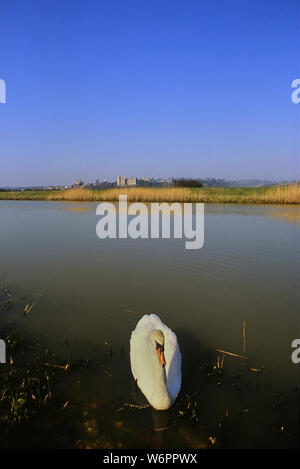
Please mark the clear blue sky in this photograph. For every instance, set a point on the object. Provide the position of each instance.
(97, 89)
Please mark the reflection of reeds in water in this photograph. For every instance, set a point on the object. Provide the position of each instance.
(286, 213)
(291, 216)
(283, 194)
(78, 208)
(280, 212)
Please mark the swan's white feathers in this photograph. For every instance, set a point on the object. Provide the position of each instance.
(141, 353)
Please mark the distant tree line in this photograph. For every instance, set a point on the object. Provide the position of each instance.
(101, 185)
(186, 182)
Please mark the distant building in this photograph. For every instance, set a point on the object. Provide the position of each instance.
(126, 182)
(143, 181)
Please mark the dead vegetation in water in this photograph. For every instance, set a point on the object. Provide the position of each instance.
(227, 432)
(34, 382)
(24, 391)
(9, 301)
(35, 390)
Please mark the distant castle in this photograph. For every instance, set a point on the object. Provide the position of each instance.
(143, 181)
(126, 182)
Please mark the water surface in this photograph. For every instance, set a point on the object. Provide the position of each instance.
(95, 291)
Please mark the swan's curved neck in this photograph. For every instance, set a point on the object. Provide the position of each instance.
(162, 397)
(160, 380)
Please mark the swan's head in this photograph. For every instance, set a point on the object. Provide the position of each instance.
(157, 339)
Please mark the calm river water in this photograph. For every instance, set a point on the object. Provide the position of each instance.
(94, 291)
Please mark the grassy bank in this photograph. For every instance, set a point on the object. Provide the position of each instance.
(288, 194)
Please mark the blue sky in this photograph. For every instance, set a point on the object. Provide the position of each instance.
(97, 89)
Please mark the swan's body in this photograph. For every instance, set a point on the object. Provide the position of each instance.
(156, 361)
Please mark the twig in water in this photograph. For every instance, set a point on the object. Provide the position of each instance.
(161, 429)
(133, 312)
(68, 355)
(28, 308)
(55, 365)
(257, 370)
(134, 406)
(244, 339)
(232, 354)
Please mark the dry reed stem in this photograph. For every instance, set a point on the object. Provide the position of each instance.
(232, 354)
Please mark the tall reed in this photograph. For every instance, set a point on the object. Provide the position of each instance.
(283, 194)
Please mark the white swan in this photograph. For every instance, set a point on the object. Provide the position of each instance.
(156, 361)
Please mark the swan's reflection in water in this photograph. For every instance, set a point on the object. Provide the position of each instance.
(160, 424)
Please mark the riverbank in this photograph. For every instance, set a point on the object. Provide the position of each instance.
(283, 194)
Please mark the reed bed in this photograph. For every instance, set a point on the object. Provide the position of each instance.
(134, 194)
(281, 194)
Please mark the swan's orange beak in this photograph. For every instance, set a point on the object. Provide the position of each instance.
(161, 357)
